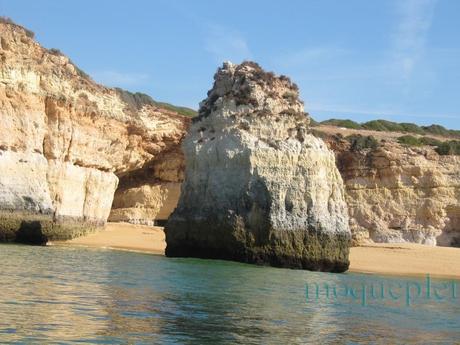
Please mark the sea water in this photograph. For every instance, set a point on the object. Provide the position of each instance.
(75, 295)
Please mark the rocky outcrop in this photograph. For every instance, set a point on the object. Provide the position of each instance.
(397, 193)
(258, 188)
(66, 141)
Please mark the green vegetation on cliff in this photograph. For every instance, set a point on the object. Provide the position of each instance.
(180, 110)
(313, 122)
(137, 99)
(451, 147)
(410, 140)
(440, 130)
(361, 142)
(342, 123)
(390, 126)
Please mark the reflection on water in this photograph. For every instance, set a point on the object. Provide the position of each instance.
(72, 295)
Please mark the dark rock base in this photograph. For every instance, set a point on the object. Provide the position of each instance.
(30, 228)
(311, 250)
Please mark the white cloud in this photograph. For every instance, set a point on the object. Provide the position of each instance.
(115, 78)
(406, 51)
(406, 48)
(409, 39)
(227, 45)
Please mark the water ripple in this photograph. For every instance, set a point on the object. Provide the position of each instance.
(73, 295)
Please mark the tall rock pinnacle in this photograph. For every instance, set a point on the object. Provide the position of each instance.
(258, 188)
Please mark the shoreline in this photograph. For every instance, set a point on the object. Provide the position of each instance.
(395, 259)
(122, 236)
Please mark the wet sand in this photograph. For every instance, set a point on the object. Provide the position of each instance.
(383, 258)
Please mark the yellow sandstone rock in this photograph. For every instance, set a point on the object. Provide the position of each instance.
(65, 141)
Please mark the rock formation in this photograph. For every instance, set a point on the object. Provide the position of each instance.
(67, 143)
(396, 193)
(66, 140)
(258, 188)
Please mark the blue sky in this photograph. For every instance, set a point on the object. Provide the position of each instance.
(392, 59)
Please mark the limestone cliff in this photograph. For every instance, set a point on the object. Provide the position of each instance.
(66, 141)
(397, 193)
(258, 187)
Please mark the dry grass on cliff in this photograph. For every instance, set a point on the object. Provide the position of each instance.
(379, 135)
(8, 20)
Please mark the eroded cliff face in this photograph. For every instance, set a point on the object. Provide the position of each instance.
(396, 193)
(148, 196)
(258, 187)
(66, 140)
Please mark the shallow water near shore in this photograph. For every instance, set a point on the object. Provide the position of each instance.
(79, 295)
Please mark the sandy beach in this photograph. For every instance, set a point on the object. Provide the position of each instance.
(124, 236)
(384, 258)
(406, 259)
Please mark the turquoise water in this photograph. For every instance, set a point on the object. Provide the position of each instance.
(72, 295)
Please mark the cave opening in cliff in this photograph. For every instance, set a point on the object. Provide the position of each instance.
(148, 195)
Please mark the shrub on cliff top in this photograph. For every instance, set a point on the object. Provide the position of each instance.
(451, 147)
(313, 122)
(80, 72)
(410, 140)
(180, 110)
(138, 99)
(360, 142)
(430, 141)
(8, 20)
(342, 123)
(383, 126)
(135, 100)
(442, 131)
(54, 51)
(411, 128)
(389, 126)
(261, 76)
